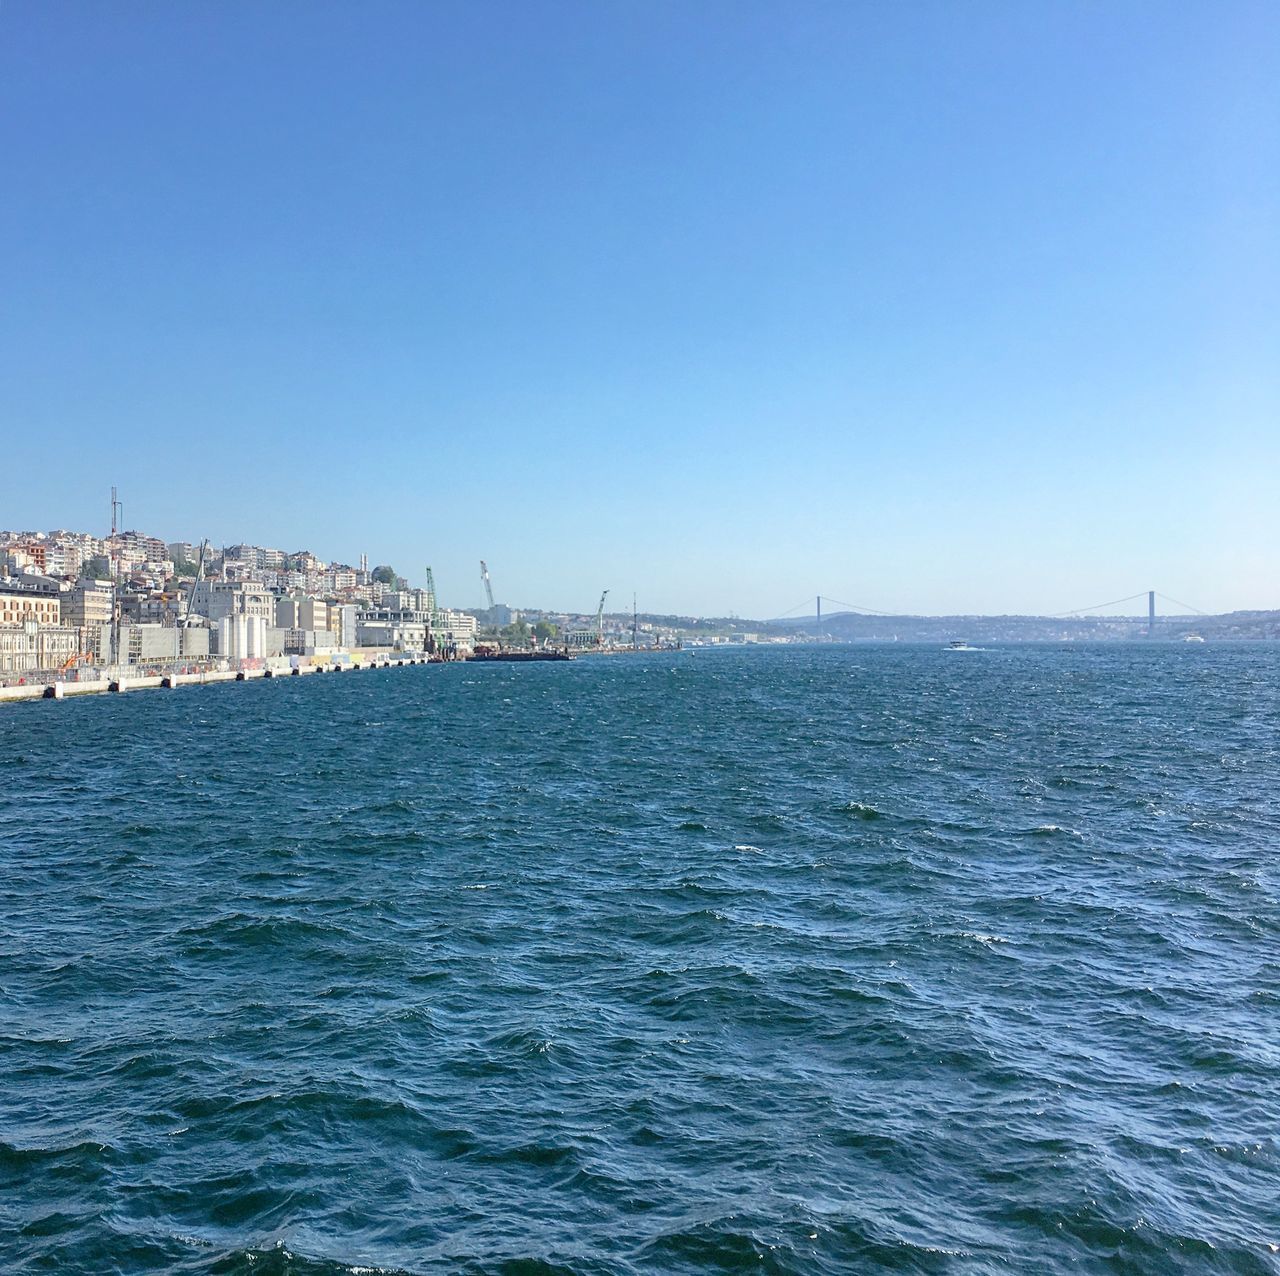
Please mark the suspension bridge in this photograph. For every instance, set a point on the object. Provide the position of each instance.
(839, 606)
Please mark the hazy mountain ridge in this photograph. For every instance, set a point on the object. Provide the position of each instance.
(849, 626)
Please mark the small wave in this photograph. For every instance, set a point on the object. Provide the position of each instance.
(860, 810)
(246, 931)
(279, 1260)
(87, 1151)
(395, 805)
(523, 1041)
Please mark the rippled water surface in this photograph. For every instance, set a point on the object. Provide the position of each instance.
(793, 960)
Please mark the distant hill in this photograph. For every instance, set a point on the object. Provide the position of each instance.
(853, 626)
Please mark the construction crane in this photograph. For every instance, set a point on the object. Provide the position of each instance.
(488, 588)
(191, 597)
(431, 587)
(600, 620)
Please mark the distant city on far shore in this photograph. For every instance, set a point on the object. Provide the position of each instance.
(72, 600)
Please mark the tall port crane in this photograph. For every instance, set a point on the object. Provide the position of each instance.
(600, 620)
(191, 597)
(488, 588)
(431, 587)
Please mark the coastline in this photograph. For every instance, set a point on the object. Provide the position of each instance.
(118, 683)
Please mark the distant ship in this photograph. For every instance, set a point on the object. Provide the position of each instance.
(1192, 638)
(959, 644)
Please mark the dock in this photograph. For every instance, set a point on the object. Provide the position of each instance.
(119, 681)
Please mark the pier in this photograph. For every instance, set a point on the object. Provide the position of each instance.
(121, 680)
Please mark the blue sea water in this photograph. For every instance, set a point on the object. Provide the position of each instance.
(800, 960)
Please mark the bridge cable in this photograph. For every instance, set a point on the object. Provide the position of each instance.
(1076, 611)
(789, 610)
(855, 607)
(1175, 601)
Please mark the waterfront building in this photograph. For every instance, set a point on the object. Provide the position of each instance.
(193, 642)
(143, 643)
(220, 599)
(286, 612)
(17, 650)
(313, 614)
(88, 602)
(307, 642)
(410, 600)
(398, 624)
(345, 624)
(32, 635)
(30, 598)
(151, 607)
(454, 628)
(398, 631)
(242, 637)
(28, 647)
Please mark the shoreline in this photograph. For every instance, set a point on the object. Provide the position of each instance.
(118, 684)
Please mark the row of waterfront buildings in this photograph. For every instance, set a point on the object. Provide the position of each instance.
(69, 598)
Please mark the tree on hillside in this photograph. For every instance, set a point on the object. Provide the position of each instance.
(97, 568)
(384, 574)
(544, 631)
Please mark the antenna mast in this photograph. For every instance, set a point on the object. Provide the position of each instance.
(116, 507)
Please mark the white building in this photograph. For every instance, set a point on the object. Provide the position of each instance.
(399, 631)
(220, 599)
(242, 637)
(28, 647)
(456, 628)
(345, 624)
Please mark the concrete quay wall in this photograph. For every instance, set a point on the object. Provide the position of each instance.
(115, 682)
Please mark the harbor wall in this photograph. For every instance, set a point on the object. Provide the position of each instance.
(126, 678)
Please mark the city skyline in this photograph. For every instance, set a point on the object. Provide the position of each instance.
(297, 570)
(937, 310)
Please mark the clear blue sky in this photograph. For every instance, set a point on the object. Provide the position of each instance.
(926, 306)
